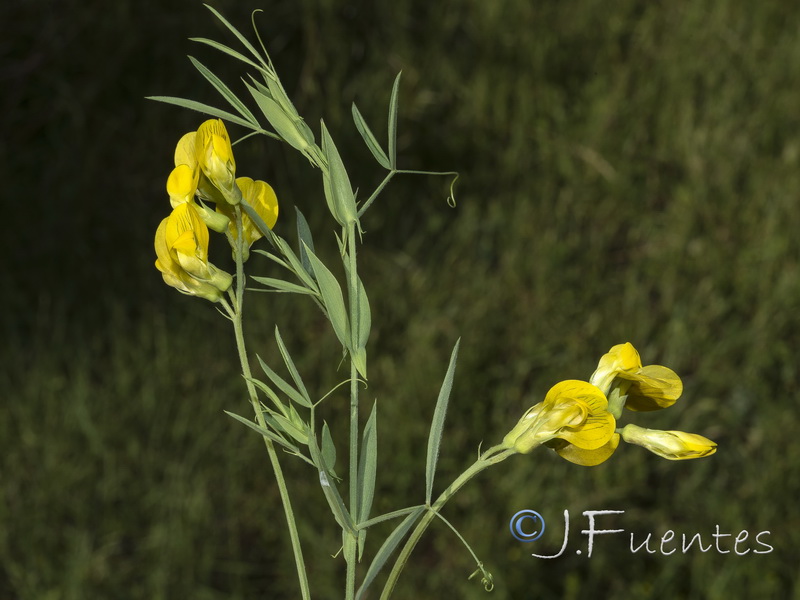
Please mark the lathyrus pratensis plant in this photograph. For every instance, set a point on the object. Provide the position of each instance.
(576, 419)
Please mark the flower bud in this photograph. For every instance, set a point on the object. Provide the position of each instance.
(672, 445)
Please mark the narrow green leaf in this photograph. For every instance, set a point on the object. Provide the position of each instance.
(203, 108)
(227, 50)
(328, 448)
(279, 120)
(332, 298)
(270, 394)
(285, 425)
(332, 495)
(339, 183)
(281, 384)
(393, 122)
(369, 138)
(388, 516)
(225, 92)
(364, 315)
(264, 432)
(367, 469)
(279, 285)
(437, 424)
(287, 359)
(368, 465)
(296, 266)
(235, 32)
(387, 548)
(304, 237)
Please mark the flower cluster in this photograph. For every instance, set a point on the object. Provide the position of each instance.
(205, 168)
(578, 419)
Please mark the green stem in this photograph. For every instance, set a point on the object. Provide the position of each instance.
(478, 466)
(350, 549)
(236, 317)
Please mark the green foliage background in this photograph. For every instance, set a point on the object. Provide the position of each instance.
(630, 172)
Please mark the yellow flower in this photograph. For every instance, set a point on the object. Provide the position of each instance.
(214, 154)
(672, 445)
(574, 412)
(647, 388)
(181, 244)
(262, 198)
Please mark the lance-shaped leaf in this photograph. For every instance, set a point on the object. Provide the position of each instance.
(205, 109)
(283, 385)
(328, 449)
(387, 548)
(287, 359)
(332, 298)
(332, 495)
(369, 138)
(225, 92)
(304, 237)
(264, 432)
(437, 424)
(367, 469)
(279, 285)
(338, 190)
(393, 122)
(363, 324)
(280, 121)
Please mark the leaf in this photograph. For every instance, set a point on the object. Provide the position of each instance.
(332, 495)
(338, 183)
(287, 389)
(368, 465)
(437, 424)
(393, 122)
(328, 448)
(304, 237)
(226, 92)
(364, 316)
(285, 425)
(227, 50)
(296, 265)
(387, 548)
(332, 298)
(369, 138)
(203, 108)
(264, 432)
(235, 32)
(279, 120)
(279, 285)
(367, 469)
(270, 394)
(287, 359)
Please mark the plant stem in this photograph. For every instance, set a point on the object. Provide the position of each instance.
(236, 317)
(478, 466)
(350, 549)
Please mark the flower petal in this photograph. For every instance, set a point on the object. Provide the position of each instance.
(652, 388)
(588, 458)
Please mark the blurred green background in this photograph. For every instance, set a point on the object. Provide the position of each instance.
(630, 172)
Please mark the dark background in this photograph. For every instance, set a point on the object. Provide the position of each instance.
(629, 172)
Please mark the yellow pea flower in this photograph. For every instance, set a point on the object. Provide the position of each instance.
(586, 458)
(181, 245)
(672, 445)
(262, 198)
(647, 387)
(574, 412)
(214, 155)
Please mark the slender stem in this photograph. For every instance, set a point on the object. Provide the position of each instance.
(236, 317)
(350, 549)
(478, 466)
(377, 191)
